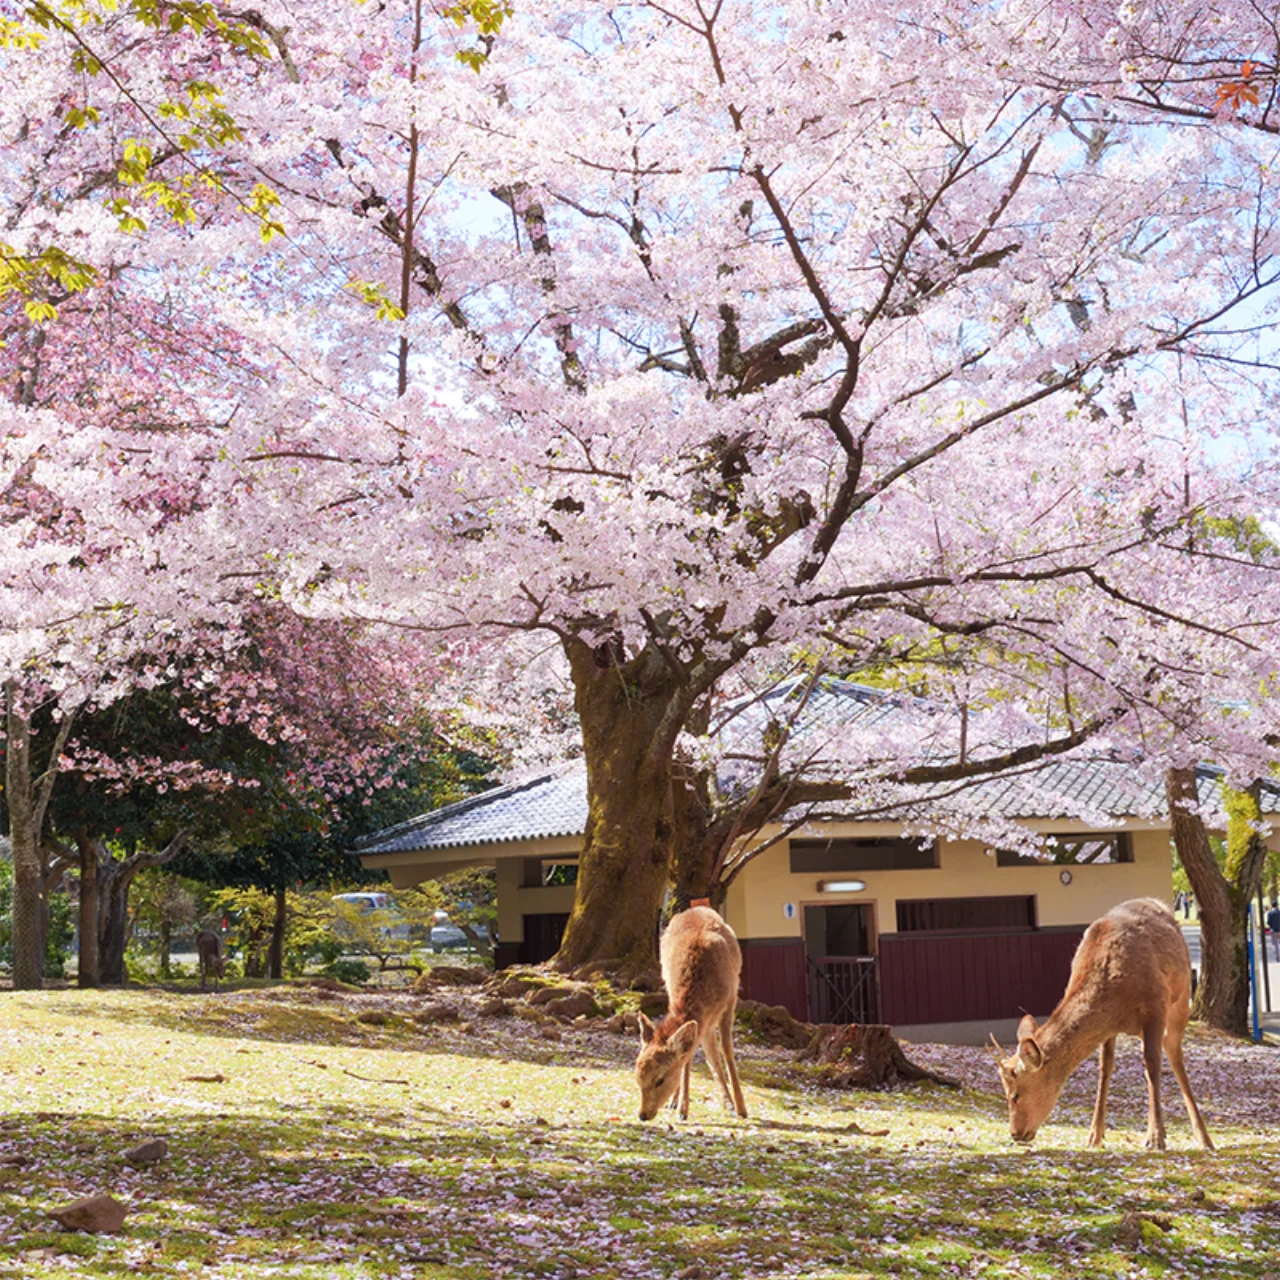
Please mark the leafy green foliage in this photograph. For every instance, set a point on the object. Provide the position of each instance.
(61, 926)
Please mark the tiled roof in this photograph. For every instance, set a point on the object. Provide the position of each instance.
(555, 804)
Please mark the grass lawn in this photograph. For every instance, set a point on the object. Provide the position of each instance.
(345, 1140)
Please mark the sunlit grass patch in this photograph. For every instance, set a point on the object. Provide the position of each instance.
(316, 1147)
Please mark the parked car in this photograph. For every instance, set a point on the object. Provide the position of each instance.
(445, 934)
(392, 927)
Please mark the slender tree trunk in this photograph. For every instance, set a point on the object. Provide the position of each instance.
(275, 952)
(166, 949)
(1222, 897)
(629, 733)
(113, 921)
(478, 941)
(24, 832)
(89, 975)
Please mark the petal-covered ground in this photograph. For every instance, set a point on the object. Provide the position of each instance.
(333, 1136)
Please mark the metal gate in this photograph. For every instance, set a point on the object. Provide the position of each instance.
(843, 989)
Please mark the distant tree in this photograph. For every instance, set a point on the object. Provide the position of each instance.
(162, 903)
(305, 840)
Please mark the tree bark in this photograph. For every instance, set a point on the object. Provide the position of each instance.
(115, 878)
(275, 952)
(630, 718)
(89, 973)
(27, 799)
(858, 1056)
(1222, 993)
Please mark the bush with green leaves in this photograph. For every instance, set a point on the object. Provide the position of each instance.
(354, 972)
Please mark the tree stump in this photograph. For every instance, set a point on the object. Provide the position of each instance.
(864, 1056)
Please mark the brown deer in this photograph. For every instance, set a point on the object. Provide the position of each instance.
(701, 963)
(1131, 973)
(209, 953)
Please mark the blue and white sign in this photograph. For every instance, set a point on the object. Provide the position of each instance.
(789, 910)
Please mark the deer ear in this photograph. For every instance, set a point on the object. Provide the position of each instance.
(647, 1031)
(1028, 1049)
(686, 1039)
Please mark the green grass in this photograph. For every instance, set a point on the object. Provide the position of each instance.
(345, 1150)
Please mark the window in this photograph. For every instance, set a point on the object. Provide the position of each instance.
(1087, 848)
(559, 873)
(967, 915)
(881, 853)
(541, 872)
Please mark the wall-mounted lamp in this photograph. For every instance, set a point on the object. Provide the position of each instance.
(841, 886)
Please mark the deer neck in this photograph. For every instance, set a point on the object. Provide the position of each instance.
(1069, 1037)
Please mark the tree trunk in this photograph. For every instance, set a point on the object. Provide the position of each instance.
(24, 833)
(89, 974)
(858, 1056)
(1222, 993)
(275, 953)
(630, 718)
(478, 940)
(115, 879)
(113, 920)
(166, 949)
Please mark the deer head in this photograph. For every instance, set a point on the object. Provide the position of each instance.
(1030, 1089)
(661, 1063)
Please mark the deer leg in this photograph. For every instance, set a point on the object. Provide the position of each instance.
(726, 1044)
(684, 1087)
(711, 1046)
(1173, 1048)
(1106, 1061)
(1152, 1056)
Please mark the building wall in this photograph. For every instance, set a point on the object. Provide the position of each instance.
(757, 900)
(515, 901)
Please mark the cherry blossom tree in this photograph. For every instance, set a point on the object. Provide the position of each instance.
(731, 327)
(679, 338)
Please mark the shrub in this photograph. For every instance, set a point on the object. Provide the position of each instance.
(354, 972)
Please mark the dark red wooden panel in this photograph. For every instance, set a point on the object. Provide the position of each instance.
(773, 972)
(965, 978)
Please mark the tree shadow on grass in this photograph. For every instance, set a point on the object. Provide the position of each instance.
(333, 1183)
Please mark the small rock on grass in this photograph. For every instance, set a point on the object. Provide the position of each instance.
(440, 1012)
(518, 984)
(552, 991)
(549, 1032)
(494, 1007)
(95, 1214)
(576, 1005)
(150, 1152)
(694, 1272)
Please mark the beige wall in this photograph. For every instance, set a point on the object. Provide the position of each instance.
(755, 906)
(515, 901)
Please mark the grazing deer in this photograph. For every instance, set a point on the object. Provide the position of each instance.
(209, 953)
(700, 967)
(1131, 973)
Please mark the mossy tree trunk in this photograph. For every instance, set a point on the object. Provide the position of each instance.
(631, 713)
(1223, 895)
